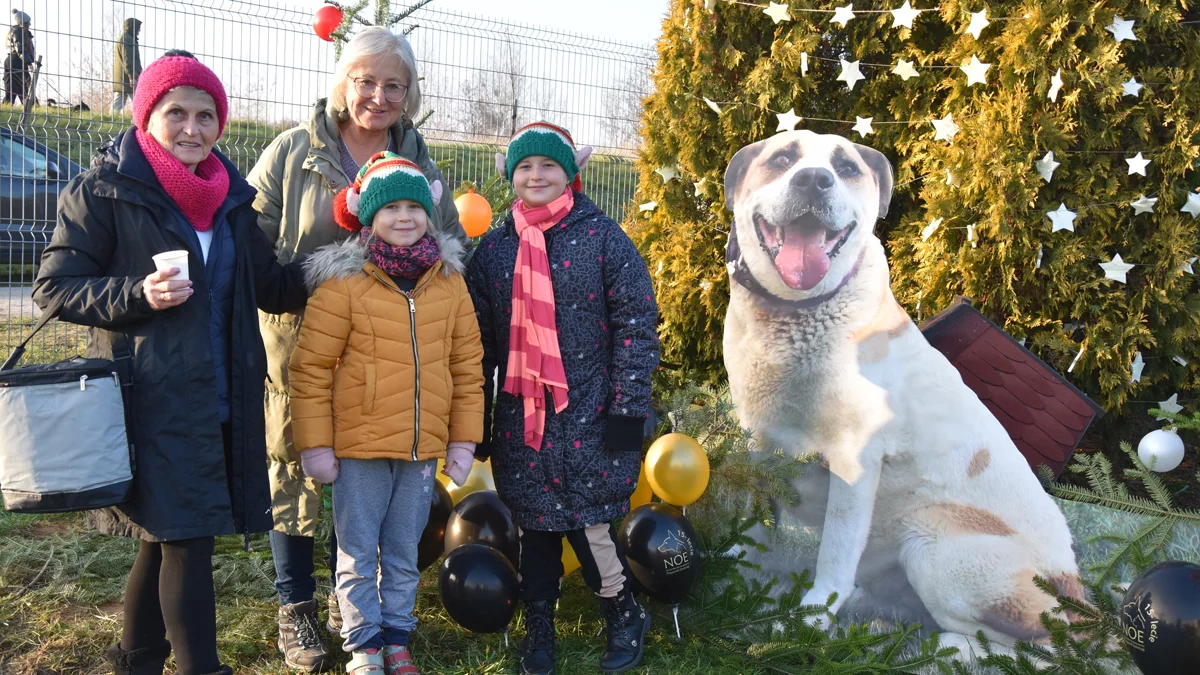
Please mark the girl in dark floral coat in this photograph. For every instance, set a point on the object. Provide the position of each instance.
(567, 317)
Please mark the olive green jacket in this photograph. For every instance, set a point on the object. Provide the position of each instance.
(297, 178)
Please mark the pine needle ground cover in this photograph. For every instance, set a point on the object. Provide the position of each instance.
(61, 585)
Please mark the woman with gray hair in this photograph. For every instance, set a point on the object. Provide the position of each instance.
(374, 94)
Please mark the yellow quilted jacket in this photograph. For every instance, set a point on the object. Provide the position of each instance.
(378, 373)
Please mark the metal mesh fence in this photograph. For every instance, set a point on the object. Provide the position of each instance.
(481, 79)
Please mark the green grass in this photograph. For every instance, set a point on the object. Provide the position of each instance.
(61, 621)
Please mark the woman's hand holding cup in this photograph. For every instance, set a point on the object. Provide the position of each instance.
(163, 290)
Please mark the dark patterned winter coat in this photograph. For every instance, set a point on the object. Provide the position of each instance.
(606, 315)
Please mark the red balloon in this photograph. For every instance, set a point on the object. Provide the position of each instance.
(325, 21)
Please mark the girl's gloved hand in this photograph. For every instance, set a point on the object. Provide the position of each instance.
(460, 455)
(319, 464)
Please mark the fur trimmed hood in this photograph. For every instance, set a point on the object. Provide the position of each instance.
(345, 259)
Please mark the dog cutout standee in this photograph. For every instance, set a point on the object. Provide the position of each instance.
(922, 491)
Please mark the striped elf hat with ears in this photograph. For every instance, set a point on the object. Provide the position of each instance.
(385, 178)
(546, 140)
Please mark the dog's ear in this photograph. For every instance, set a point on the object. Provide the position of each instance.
(501, 164)
(882, 169)
(736, 171)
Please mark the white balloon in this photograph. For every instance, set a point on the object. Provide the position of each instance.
(1161, 450)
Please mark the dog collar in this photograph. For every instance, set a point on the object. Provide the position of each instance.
(739, 272)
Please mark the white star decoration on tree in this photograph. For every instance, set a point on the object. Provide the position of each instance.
(787, 120)
(1063, 218)
(946, 128)
(1171, 405)
(904, 16)
(1143, 204)
(1116, 268)
(976, 71)
(850, 73)
(1132, 88)
(778, 12)
(930, 229)
(648, 206)
(843, 15)
(1121, 29)
(1135, 369)
(863, 126)
(1186, 266)
(1193, 205)
(1137, 164)
(1046, 166)
(905, 70)
(713, 105)
(700, 185)
(1055, 84)
(668, 173)
(978, 23)
(803, 64)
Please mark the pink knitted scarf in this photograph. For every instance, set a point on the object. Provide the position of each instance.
(198, 195)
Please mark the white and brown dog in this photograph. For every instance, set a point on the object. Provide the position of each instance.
(922, 480)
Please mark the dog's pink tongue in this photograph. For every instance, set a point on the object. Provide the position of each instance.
(802, 261)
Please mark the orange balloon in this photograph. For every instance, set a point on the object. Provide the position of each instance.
(325, 21)
(474, 212)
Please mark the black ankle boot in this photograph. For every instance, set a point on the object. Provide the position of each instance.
(145, 661)
(537, 651)
(628, 622)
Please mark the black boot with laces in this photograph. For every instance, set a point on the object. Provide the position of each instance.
(537, 651)
(628, 622)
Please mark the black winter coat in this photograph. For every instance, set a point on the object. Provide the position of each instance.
(606, 315)
(111, 221)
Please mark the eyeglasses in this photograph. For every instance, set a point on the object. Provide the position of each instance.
(393, 92)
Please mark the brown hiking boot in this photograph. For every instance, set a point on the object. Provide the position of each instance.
(300, 638)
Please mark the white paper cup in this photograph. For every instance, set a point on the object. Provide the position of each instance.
(169, 259)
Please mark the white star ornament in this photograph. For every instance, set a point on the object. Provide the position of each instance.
(978, 23)
(905, 70)
(1143, 204)
(1063, 218)
(863, 126)
(1137, 164)
(1116, 268)
(904, 16)
(778, 12)
(945, 128)
(1121, 29)
(788, 120)
(976, 71)
(1046, 166)
(851, 75)
(843, 15)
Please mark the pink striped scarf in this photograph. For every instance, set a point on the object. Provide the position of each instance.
(534, 362)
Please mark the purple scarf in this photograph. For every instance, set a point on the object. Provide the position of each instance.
(406, 262)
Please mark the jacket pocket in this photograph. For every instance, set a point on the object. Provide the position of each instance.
(369, 388)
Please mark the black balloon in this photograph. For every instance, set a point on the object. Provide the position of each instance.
(432, 543)
(479, 588)
(482, 518)
(1160, 619)
(662, 550)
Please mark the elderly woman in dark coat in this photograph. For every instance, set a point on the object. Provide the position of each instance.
(198, 361)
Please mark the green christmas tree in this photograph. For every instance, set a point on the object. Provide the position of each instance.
(969, 216)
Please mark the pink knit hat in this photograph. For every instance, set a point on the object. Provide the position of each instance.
(168, 73)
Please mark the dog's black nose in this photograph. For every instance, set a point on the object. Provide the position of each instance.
(813, 181)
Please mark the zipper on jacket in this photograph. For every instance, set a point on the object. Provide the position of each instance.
(412, 327)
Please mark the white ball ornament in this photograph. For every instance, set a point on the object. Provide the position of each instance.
(1161, 450)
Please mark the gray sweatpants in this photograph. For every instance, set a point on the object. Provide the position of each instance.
(380, 507)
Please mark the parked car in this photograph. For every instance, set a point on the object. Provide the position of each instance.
(31, 176)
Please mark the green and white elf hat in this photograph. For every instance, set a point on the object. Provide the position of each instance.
(546, 140)
(385, 178)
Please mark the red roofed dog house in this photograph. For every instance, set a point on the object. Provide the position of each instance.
(1044, 414)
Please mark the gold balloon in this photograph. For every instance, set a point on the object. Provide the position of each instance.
(570, 561)
(677, 469)
(480, 478)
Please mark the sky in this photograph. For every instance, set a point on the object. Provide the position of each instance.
(637, 21)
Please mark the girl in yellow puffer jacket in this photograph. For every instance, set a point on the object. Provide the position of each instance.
(386, 378)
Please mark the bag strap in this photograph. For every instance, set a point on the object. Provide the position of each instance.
(52, 311)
